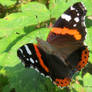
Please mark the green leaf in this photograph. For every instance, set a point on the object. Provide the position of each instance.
(57, 7)
(28, 16)
(87, 79)
(88, 42)
(7, 2)
(38, 10)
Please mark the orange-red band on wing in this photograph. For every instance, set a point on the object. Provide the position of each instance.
(84, 59)
(40, 59)
(62, 82)
(63, 31)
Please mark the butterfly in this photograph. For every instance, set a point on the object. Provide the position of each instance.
(64, 52)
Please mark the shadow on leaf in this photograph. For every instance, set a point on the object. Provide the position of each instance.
(88, 22)
(3, 81)
(81, 82)
(28, 80)
(74, 90)
(27, 30)
(88, 69)
(13, 90)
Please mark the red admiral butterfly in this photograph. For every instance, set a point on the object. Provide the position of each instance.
(64, 52)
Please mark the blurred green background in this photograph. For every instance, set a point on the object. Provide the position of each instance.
(21, 21)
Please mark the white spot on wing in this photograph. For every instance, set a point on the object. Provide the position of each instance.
(66, 17)
(31, 66)
(72, 8)
(21, 50)
(83, 21)
(83, 18)
(36, 69)
(47, 76)
(83, 5)
(76, 10)
(76, 19)
(36, 61)
(27, 59)
(74, 25)
(83, 24)
(78, 14)
(28, 50)
(42, 74)
(31, 60)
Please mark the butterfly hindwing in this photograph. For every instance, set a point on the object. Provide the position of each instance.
(79, 58)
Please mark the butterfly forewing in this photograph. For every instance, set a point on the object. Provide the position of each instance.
(70, 26)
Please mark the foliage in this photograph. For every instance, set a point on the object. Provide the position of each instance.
(23, 21)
